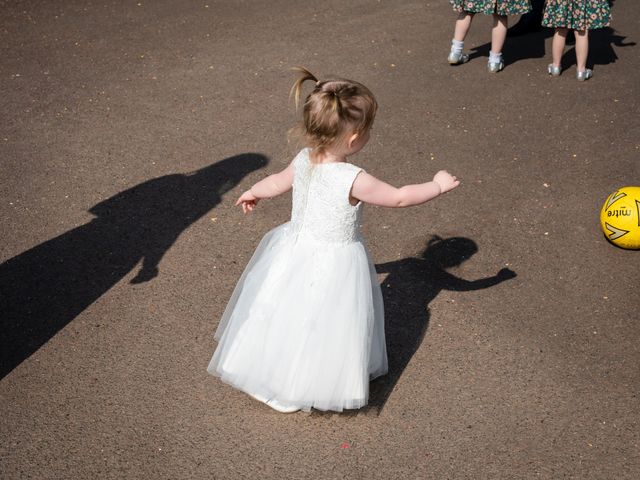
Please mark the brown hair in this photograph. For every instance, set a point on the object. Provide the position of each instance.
(334, 108)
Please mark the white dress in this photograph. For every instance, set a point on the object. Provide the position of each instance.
(305, 324)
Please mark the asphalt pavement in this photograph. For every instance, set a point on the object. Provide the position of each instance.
(129, 129)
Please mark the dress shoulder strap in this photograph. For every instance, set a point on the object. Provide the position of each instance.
(302, 158)
(346, 174)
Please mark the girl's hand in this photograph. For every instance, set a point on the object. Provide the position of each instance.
(248, 201)
(446, 181)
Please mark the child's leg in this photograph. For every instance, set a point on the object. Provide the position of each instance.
(557, 46)
(498, 33)
(582, 49)
(463, 23)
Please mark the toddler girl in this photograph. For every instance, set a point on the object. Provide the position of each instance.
(579, 16)
(305, 324)
(499, 9)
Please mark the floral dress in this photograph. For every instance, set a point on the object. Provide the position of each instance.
(577, 14)
(489, 7)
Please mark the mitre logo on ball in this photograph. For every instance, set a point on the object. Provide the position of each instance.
(620, 218)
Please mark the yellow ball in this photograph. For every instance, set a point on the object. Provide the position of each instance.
(620, 218)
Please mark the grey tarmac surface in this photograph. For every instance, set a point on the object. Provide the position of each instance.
(130, 128)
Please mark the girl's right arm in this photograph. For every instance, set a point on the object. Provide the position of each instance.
(369, 189)
(268, 187)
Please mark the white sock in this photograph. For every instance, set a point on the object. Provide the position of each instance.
(495, 57)
(456, 46)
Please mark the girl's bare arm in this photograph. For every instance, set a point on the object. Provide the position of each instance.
(369, 189)
(268, 187)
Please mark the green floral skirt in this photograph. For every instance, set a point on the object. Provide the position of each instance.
(576, 14)
(489, 7)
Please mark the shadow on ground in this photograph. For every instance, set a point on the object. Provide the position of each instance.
(518, 48)
(411, 284)
(601, 48)
(601, 43)
(46, 287)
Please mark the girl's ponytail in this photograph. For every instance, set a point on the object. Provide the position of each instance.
(297, 86)
(336, 107)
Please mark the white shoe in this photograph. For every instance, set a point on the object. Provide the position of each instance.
(457, 58)
(495, 67)
(584, 75)
(553, 70)
(281, 407)
(260, 398)
(275, 404)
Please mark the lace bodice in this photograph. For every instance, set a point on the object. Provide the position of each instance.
(321, 205)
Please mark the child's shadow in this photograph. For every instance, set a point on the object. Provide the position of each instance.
(601, 51)
(46, 287)
(411, 285)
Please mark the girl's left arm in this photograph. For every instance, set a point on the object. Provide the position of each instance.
(268, 187)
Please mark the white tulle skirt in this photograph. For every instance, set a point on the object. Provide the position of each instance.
(305, 324)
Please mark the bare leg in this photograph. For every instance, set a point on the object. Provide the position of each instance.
(582, 49)
(463, 23)
(557, 47)
(498, 32)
